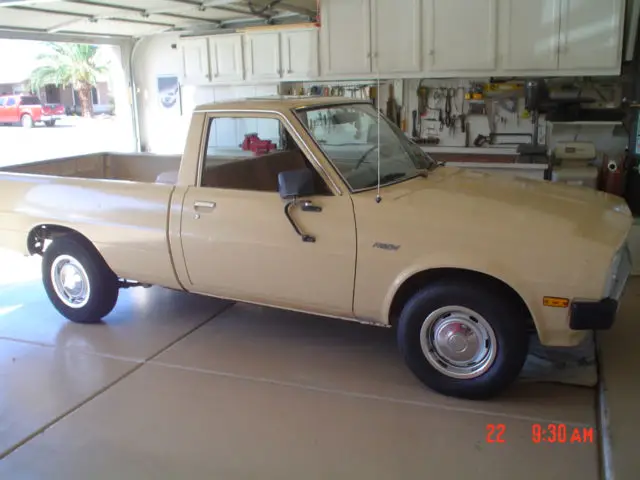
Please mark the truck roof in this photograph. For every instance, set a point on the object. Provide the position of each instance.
(277, 103)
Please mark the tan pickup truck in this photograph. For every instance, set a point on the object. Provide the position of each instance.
(313, 205)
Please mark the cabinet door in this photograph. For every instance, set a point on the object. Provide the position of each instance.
(591, 34)
(460, 35)
(299, 54)
(529, 34)
(395, 35)
(346, 37)
(195, 60)
(225, 52)
(263, 56)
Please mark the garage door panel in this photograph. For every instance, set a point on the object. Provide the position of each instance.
(37, 20)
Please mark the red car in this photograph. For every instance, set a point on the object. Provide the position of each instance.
(28, 110)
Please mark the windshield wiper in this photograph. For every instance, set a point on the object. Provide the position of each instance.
(390, 177)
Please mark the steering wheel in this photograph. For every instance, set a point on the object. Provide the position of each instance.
(364, 157)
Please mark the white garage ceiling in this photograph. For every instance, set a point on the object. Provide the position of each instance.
(135, 18)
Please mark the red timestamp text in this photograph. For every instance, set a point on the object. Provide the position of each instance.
(545, 433)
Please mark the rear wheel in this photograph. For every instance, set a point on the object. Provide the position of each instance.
(77, 280)
(463, 340)
(26, 120)
(50, 123)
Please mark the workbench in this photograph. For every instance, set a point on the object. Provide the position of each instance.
(495, 160)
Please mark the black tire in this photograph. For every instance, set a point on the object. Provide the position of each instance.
(50, 123)
(26, 120)
(482, 306)
(103, 283)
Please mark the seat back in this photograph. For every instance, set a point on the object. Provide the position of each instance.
(258, 174)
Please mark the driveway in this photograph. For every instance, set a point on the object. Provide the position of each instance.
(70, 136)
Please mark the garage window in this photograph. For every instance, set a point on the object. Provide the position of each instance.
(245, 153)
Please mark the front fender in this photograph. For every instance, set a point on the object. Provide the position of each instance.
(499, 270)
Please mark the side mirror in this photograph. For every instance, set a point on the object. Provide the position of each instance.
(296, 183)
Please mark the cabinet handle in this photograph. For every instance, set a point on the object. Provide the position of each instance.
(432, 52)
(289, 71)
(368, 54)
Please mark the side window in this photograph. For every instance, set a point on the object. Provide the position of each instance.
(245, 153)
(10, 102)
(2, 100)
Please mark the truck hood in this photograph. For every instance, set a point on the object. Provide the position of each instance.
(521, 209)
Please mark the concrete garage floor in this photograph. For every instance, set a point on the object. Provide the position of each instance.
(180, 386)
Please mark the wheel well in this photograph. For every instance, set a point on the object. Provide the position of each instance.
(41, 233)
(421, 279)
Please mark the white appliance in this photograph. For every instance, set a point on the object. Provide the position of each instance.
(574, 164)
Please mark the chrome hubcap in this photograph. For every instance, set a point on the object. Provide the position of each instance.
(70, 281)
(458, 342)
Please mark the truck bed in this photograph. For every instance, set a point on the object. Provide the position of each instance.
(125, 219)
(135, 167)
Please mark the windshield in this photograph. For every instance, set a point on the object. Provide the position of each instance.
(348, 136)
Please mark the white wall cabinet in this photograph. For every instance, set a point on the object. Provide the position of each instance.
(460, 35)
(591, 34)
(396, 36)
(276, 55)
(346, 37)
(529, 34)
(361, 39)
(562, 37)
(225, 56)
(299, 53)
(195, 61)
(262, 56)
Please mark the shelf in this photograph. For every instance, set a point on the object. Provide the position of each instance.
(592, 124)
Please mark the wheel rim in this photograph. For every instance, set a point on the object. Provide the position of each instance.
(26, 120)
(70, 281)
(458, 342)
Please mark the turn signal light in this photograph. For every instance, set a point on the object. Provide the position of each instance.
(555, 302)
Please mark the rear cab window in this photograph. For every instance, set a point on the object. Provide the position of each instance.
(30, 100)
(10, 102)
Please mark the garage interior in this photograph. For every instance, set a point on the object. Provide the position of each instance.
(176, 385)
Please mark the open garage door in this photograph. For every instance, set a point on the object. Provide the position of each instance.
(113, 29)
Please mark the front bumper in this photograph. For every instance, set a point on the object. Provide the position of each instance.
(600, 315)
(593, 315)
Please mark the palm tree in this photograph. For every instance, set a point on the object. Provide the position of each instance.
(78, 65)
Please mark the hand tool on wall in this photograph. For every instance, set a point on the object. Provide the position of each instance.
(448, 119)
(392, 106)
(423, 99)
(373, 96)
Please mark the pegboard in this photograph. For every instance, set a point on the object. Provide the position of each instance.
(447, 109)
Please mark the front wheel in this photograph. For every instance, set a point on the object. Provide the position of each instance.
(463, 340)
(77, 280)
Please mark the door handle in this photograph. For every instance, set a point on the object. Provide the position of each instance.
(199, 205)
(308, 206)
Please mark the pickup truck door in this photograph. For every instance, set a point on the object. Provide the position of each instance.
(236, 239)
(9, 111)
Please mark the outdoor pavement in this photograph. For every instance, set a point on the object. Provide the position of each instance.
(70, 136)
